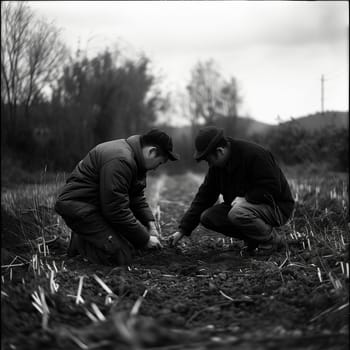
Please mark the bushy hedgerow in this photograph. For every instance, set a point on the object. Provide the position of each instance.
(293, 145)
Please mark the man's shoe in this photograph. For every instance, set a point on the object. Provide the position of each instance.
(275, 243)
(72, 249)
(251, 245)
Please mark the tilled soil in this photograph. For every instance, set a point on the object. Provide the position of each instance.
(204, 294)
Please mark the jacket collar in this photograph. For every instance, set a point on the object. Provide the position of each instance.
(135, 144)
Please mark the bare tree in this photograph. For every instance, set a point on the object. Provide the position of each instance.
(14, 35)
(31, 56)
(204, 91)
(229, 102)
(211, 96)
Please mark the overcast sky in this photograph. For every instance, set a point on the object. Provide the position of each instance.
(277, 50)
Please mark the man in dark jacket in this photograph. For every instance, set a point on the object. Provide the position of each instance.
(256, 194)
(103, 199)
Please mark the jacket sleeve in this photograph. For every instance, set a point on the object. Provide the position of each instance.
(115, 182)
(141, 209)
(265, 184)
(206, 196)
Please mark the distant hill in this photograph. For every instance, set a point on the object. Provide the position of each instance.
(246, 127)
(252, 126)
(318, 121)
(311, 122)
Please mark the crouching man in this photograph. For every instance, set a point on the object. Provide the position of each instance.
(103, 199)
(256, 194)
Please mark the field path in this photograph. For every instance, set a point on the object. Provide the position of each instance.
(157, 187)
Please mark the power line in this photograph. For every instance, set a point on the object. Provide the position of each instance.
(322, 93)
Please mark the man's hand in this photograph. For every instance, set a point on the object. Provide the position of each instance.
(152, 229)
(153, 243)
(237, 200)
(174, 238)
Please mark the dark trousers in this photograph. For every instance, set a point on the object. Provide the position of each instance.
(243, 220)
(93, 238)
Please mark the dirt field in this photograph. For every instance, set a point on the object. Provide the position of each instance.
(203, 294)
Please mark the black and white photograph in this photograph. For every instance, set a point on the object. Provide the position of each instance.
(175, 175)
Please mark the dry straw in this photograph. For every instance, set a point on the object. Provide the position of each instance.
(135, 309)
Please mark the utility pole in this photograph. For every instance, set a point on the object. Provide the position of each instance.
(322, 94)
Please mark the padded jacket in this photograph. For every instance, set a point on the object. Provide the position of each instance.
(251, 172)
(110, 180)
